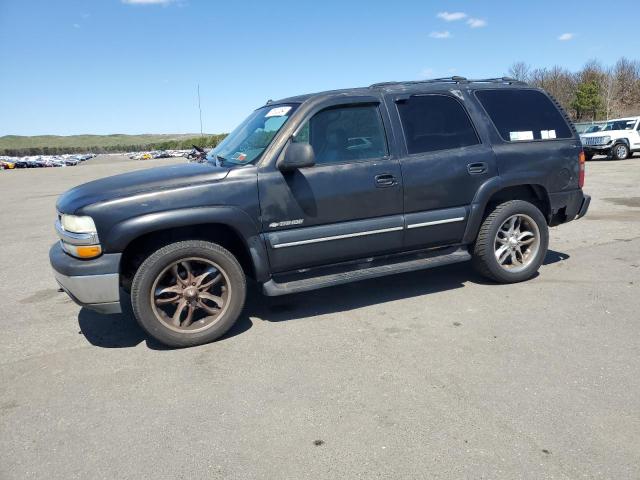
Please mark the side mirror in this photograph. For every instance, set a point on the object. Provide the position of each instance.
(297, 155)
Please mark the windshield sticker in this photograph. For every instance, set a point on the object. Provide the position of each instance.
(239, 157)
(278, 112)
(520, 136)
(547, 134)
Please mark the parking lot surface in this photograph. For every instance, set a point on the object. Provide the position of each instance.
(433, 374)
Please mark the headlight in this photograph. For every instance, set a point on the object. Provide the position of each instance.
(77, 224)
(606, 139)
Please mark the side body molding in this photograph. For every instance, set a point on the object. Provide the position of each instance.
(122, 233)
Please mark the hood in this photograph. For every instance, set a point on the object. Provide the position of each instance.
(128, 184)
(605, 133)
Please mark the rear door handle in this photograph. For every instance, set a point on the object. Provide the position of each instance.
(477, 168)
(385, 180)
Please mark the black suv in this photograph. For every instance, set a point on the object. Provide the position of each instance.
(322, 189)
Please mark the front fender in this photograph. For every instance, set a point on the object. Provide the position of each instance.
(124, 232)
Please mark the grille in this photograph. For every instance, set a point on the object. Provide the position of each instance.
(593, 140)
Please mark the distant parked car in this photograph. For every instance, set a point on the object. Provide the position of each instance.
(619, 138)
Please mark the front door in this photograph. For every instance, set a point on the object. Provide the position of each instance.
(347, 206)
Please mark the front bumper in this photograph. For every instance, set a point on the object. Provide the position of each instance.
(94, 284)
(597, 149)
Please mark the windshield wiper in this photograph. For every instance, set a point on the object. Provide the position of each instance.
(220, 160)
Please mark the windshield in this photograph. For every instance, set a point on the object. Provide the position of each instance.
(250, 139)
(619, 125)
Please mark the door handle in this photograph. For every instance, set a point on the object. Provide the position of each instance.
(477, 168)
(385, 180)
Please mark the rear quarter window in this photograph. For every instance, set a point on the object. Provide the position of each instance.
(524, 115)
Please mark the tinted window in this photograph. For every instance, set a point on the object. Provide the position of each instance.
(435, 122)
(524, 115)
(345, 134)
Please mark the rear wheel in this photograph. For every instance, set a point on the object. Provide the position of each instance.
(188, 293)
(620, 151)
(512, 242)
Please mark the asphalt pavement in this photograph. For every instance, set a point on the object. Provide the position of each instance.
(433, 374)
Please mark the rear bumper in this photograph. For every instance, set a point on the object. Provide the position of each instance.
(94, 284)
(567, 206)
(586, 201)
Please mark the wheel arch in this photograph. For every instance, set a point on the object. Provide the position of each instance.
(229, 227)
(498, 190)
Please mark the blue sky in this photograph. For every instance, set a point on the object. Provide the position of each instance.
(114, 66)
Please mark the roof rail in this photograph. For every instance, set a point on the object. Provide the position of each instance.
(454, 79)
(508, 80)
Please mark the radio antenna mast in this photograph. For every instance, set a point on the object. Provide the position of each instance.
(200, 110)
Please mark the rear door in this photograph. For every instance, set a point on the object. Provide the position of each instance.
(444, 162)
(347, 206)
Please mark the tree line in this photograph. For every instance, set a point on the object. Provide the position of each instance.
(205, 141)
(596, 92)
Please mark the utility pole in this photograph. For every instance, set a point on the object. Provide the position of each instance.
(200, 110)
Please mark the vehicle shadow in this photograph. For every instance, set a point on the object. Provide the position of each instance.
(122, 331)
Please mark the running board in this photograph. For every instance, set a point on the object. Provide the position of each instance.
(362, 270)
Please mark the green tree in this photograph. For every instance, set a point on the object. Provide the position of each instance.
(587, 100)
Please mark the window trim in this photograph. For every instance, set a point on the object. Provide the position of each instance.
(375, 103)
(510, 142)
(437, 94)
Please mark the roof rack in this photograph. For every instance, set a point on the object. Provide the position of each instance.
(454, 79)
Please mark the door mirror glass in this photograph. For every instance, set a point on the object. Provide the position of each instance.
(297, 155)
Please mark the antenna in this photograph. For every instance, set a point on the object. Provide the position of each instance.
(200, 110)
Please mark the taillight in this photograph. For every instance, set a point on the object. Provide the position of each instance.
(581, 169)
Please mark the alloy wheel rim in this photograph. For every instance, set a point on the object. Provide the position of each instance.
(190, 295)
(621, 151)
(516, 243)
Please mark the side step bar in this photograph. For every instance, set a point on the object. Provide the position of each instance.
(328, 276)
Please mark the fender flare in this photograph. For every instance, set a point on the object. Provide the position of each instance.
(123, 233)
(622, 140)
(488, 189)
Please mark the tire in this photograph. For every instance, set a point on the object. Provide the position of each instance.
(588, 157)
(620, 151)
(195, 262)
(489, 242)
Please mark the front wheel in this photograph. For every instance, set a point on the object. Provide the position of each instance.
(620, 151)
(188, 293)
(512, 242)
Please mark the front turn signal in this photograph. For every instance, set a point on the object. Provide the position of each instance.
(83, 251)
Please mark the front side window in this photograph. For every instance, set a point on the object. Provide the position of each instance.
(345, 133)
(435, 122)
(246, 144)
(521, 115)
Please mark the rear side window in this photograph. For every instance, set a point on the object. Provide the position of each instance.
(521, 115)
(435, 122)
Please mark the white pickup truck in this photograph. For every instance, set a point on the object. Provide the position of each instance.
(619, 138)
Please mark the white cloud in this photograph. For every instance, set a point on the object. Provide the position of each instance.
(451, 16)
(445, 34)
(476, 22)
(147, 2)
(76, 25)
(566, 36)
